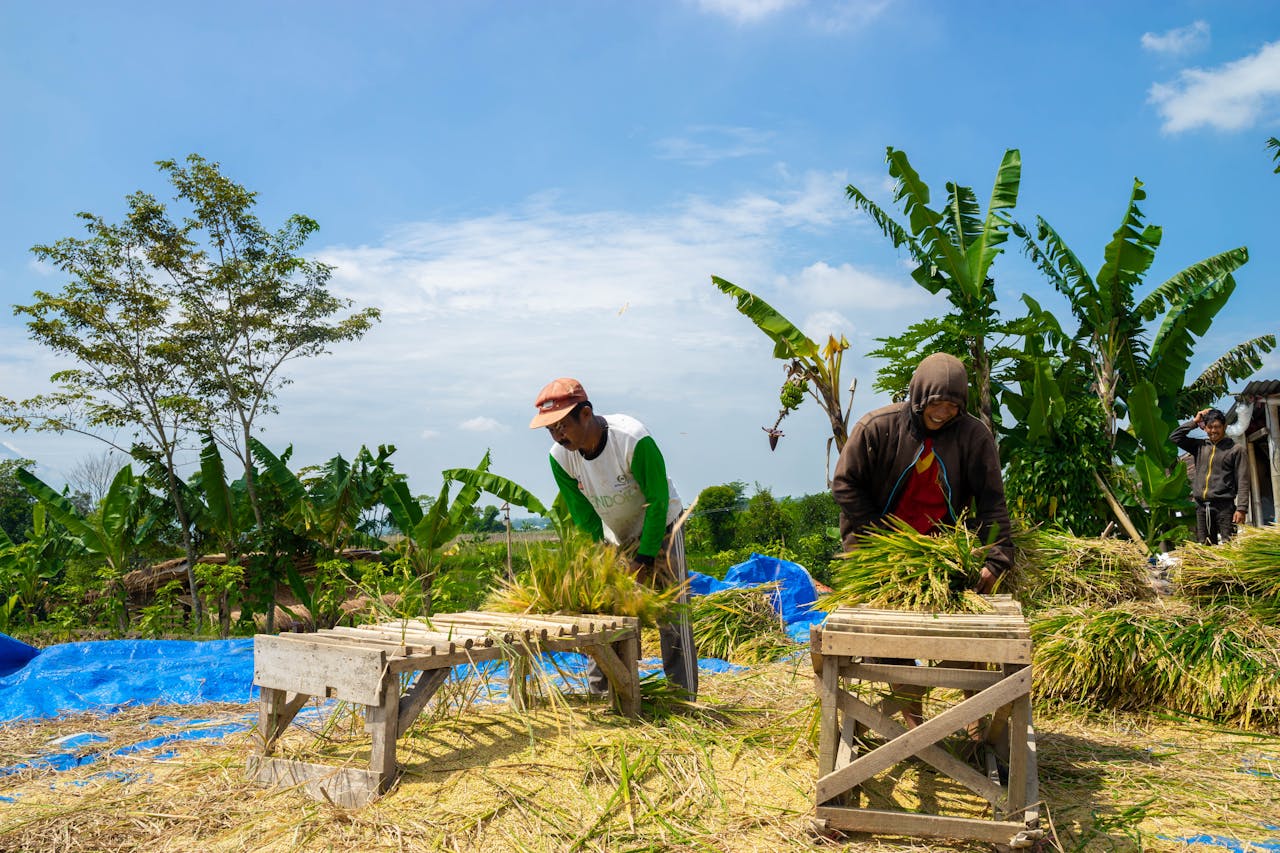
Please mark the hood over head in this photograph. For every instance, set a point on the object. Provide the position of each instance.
(939, 377)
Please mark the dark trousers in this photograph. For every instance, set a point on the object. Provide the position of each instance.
(679, 655)
(1213, 520)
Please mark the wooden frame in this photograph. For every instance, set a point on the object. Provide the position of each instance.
(851, 645)
(364, 665)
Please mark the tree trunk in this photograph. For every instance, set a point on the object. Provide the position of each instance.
(982, 371)
(251, 488)
(188, 546)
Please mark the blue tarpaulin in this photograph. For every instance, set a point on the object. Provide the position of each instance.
(111, 674)
(14, 654)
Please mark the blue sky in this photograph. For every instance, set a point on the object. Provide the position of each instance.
(529, 190)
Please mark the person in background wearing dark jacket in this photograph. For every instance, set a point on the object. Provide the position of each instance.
(926, 461)
(1219, 478)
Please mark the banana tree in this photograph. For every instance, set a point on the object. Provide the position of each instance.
(809, 369)
(122, 523)
(954, 249)
(1136, 373)
(426, 533)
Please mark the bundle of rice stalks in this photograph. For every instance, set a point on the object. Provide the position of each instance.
(1052, 568)
(581, 576)
(900, 568)
(1216, 664)
(739, 625)
(1244, 573)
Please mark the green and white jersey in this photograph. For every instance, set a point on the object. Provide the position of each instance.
(624, 494)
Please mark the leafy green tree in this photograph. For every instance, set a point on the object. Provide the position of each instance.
(250, 303)
(1274, 144)
(762, 521)
(711, 526)
(16, 502)
(953, 249)
(112, 318)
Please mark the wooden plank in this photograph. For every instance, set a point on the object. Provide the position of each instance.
(507, 629)
(614, 668)
(883, 725)
(1032, 815)
(352, 674)
(626, 697)
(401, 639)
(327, 639)
(348, 787)
(926, 648)
(1019, 723)
(417, 697)
(828, 684)
(889, 822)
(382, 721)
(927, 733)
(925, 676)
(1001, 632)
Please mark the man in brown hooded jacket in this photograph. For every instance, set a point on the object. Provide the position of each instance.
(926, 461)
(885, 467)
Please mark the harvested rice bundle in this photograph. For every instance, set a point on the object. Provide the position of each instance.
(1217, 664)
(739, 625)
(1244, 573)
(900, 568)
(581, 576)
(1053, 568)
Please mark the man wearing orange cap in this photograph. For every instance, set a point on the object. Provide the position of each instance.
(614, 481)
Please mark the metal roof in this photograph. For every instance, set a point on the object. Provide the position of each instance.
(1264, 388)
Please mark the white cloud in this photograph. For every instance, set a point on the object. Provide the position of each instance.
(846, 286)
(12, 449)
(746, 11)
(481, 424)
(704, 145)
(479, 313)
(1233, 96)
(1179, 41)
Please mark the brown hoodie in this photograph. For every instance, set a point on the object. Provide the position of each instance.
(885, 444)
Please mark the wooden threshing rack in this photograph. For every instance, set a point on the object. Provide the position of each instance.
(365, 665)
(987, 655)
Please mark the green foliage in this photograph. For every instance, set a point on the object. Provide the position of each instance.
(763, 521)
(467, 576)
(712, 526)
(162, 616)
(222, 586)
(15, 501)
(122, 523)
(1135, 371)
(1051, 481)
